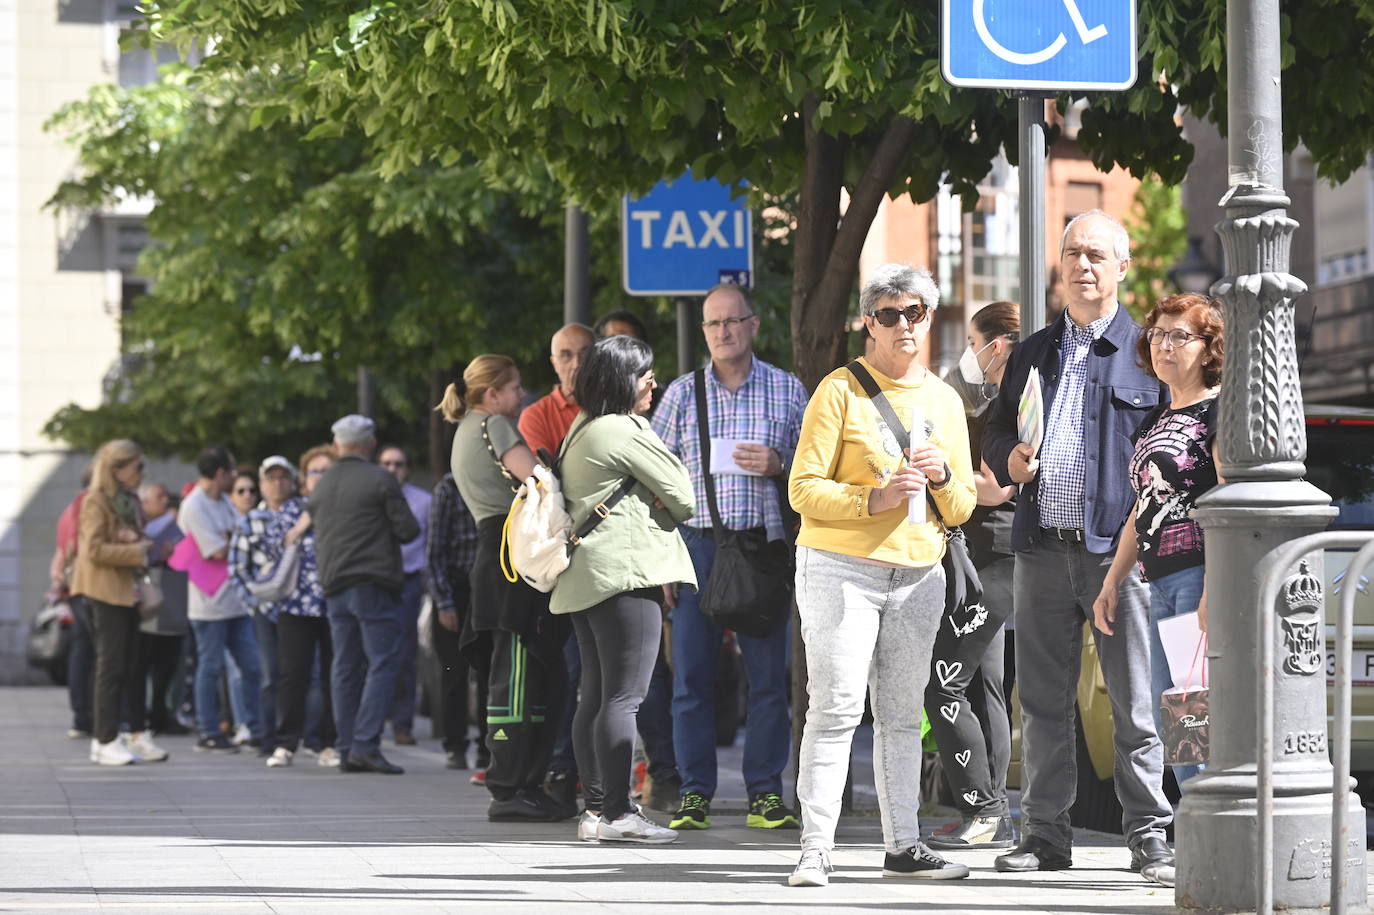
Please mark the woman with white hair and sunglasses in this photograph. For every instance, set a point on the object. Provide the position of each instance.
(870, 588)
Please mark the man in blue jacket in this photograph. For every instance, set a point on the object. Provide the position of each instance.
(1075, 496)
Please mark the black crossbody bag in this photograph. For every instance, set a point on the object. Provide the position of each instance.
(752, 576)
(963, 587)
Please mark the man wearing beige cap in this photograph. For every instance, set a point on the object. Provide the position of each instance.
(361, 519)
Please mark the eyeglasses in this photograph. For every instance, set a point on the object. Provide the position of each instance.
(245, 491)
(914, 315)
(1175, 338)
(317, 472)
(727, 323)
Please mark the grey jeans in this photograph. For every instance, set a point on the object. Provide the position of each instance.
(1056, 583)
(864, 626)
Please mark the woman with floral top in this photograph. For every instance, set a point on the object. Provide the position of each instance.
(1183, 346)
(302, 627)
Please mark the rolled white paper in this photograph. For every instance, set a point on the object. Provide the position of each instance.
(916, 505)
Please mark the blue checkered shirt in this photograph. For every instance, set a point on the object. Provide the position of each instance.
(766, 410)
(1062, 464)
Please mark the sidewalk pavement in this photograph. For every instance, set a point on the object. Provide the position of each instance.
(225, 833)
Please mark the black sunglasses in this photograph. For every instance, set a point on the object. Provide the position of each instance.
(914, 315)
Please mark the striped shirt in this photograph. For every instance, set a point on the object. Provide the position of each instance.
(1063, 466)
(766, 410)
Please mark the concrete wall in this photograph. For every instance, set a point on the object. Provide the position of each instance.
(59, 315)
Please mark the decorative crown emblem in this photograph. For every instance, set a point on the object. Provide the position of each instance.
(1303, 592)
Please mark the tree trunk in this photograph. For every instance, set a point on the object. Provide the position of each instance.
(828, 246)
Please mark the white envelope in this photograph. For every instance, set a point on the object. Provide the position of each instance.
(1180, 635)
(723, 457)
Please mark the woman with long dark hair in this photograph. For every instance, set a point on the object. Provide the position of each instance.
(612, 590)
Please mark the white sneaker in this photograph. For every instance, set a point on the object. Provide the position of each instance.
(634, 827)
(280, 758)
(95, 750)
(307, 751)
(329, 758)
(586, 826)
(114, 753)
(143, 748)
(242, 735)
(812, 870)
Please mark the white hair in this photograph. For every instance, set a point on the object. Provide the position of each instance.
(1121, 239)
(895, 281)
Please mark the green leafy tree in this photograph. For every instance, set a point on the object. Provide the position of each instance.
(804, 99)
(280, 266)
(1159, 236)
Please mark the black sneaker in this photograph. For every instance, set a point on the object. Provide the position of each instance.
(456, 759)
(695, 812)
(562, 789)
(526, 807)
(766, 811)
(217, 743)
(921, 863)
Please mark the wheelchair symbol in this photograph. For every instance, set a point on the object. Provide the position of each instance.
(1085, 35)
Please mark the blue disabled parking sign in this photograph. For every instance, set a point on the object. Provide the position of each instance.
(1047, 45)
(684, 237)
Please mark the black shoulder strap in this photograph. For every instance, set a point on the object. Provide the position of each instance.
(601, 510)
(704, 436)
(889, 415)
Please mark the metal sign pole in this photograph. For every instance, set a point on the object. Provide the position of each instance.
(1031, 113)
(577, 295)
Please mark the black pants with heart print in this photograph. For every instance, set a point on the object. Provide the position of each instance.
(967, 663)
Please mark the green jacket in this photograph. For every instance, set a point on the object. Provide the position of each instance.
(638, 545)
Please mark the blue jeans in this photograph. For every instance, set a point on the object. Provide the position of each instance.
(365, 627)
(1171, 595)
(408, 608)
(213, 639)
(696, 651)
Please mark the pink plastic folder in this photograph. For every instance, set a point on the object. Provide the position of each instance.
(206, 574)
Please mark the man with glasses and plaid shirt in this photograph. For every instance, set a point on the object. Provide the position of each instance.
(759, 408)
(1075, 496)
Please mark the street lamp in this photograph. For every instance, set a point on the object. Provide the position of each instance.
(1193, 272)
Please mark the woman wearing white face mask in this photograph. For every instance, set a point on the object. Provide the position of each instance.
(966, 696)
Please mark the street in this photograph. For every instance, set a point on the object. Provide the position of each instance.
(225, 833)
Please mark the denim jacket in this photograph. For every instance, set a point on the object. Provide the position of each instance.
(1116, 396)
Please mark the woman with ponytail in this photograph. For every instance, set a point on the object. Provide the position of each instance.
(509, 635)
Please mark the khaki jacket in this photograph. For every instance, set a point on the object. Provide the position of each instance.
(638, 545)
(104, 567)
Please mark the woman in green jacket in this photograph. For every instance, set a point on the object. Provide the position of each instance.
(613, 586)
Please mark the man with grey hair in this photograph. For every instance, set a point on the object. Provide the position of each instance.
(361, 518)
(1075, 496)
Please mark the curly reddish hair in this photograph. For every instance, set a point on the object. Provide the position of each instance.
(1204, 313)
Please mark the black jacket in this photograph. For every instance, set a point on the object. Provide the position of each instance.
(361, 519)
(1116, 395)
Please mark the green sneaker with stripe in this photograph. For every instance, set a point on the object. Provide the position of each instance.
(766, 811)
(695, 812)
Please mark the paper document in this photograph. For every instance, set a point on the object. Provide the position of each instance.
(723, 457)
(1030, 413)
(1180, 635)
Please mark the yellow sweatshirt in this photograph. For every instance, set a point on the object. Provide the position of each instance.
(842, 457)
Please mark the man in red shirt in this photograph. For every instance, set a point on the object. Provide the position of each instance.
(544, 422)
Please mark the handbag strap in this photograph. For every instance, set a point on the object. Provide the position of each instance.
(1193, 667)
(486, 439)
(889, 415)
(704, 436)
(601, 510)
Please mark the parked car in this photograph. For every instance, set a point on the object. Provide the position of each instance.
(1340, 462)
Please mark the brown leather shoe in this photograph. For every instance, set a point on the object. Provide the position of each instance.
(405, 739)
